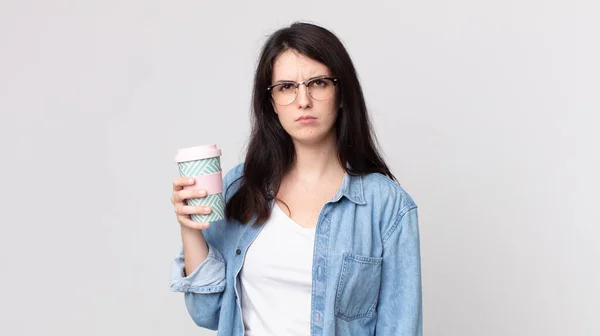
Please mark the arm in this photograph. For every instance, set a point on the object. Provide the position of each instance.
(199, 270)
(203, 287)
(400, 309)
(195, 248)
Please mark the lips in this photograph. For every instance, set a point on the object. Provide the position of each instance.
(305, 117)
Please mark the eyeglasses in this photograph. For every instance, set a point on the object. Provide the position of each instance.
(319, 88)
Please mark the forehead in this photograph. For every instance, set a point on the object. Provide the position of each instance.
(291, 65)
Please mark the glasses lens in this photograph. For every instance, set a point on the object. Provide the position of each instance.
(321, 89)
(284, 94)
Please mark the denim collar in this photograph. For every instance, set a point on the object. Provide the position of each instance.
(352, 189)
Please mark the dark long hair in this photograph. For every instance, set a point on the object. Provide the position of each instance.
(271, 151)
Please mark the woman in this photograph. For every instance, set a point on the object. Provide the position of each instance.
(319, 239)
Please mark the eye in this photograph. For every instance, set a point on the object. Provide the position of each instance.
(286, 87)
(319, 83)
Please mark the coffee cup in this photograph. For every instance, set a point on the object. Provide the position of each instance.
(203, 163)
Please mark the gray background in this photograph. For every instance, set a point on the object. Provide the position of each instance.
(487, 111)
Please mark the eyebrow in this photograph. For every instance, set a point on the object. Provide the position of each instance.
(291, 81)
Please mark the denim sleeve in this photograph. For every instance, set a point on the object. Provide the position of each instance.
(203, 288)
(400, 308)
(208, 277)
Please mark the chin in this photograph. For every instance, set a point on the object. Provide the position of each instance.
(310, 137)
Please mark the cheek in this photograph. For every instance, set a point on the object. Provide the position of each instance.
(285, 117)
(332, 112)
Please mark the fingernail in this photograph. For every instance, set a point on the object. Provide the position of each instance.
(191, 180)
(206, 208)
(202, 192)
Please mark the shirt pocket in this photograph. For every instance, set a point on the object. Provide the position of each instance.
(358, 288)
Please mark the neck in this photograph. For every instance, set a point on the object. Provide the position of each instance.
(315, 162)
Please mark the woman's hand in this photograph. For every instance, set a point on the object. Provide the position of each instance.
(184, 211)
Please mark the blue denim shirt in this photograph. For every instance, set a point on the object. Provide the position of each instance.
(366, 272)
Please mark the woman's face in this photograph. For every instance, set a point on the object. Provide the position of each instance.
(292, 66)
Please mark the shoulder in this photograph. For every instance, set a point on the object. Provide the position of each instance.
(231, 180)
(235, 172)
(381, 189)
(388, 199)
(220, 232)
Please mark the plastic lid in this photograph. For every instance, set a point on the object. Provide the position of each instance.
(197, 153)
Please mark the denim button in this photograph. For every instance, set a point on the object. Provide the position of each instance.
(238, 251)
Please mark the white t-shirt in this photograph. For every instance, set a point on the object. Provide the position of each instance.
(276, 279)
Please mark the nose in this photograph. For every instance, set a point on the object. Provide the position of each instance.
(303, 98)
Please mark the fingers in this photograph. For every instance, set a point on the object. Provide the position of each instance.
(183, 216)
(181, 195)
(187, 222)
(180, 182)
(184, 211)
(192, 210)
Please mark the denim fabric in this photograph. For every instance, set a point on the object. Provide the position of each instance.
(366, 264)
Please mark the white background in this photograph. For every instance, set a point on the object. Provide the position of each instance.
(486, 111)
